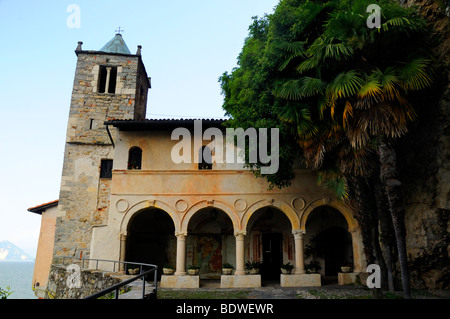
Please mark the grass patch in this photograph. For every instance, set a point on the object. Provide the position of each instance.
(204, 294)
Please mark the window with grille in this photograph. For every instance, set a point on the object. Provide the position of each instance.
(106, 168)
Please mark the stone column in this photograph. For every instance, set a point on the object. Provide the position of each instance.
(181, 254)
(299, 258)
(357, 250)
(108, 75)
(123, 241)
(240, 263)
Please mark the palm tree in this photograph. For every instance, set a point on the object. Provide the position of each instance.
(356, 82)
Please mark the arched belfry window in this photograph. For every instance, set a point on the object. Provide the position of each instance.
(135, 158)
(206, 158)
(107, 79)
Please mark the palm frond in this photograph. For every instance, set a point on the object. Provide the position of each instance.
(356, 161)
(301, 88)
(290, 90)
(415, 74)
(345, 84)
(334, 181)
(292, 50)
(296, 48)
(312, 86)
(389, 82)
(347, 114)
(337, 51)
(308, 64)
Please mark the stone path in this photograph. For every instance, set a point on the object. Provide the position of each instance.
(274, 291)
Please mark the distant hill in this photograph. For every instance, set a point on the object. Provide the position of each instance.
(10, 252)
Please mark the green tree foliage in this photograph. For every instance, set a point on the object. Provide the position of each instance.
(4, 293)
(337, 89)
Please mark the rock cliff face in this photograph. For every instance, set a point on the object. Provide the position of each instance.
(424, 158)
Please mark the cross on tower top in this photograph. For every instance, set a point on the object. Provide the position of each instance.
(118, 31)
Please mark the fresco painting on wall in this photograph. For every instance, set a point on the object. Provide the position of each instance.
(208, 254)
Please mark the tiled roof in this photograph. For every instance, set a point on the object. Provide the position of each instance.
(152, 124)
(116, 45)
(40, 208)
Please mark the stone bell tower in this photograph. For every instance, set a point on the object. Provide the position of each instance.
(110, 83)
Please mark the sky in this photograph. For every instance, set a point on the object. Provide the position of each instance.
(186, 47)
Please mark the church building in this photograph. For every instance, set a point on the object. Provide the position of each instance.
(124, 198)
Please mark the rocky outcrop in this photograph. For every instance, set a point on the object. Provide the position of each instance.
(423, 156)
(64, 283)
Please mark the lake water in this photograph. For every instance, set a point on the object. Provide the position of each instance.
(18, 275)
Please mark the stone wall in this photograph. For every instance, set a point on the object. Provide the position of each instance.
(91, 281)
(84, 196)
(82, 200)
(423, 157)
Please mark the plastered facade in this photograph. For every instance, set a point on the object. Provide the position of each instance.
(95, 213)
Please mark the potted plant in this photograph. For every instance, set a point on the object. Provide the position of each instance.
(227, 268)
(346, 268)
(313, 267)
(168, 270)
(287, 268)
(253, 267)
(193, 270)
(133, 269)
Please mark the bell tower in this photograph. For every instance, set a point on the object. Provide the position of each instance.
(110, 83)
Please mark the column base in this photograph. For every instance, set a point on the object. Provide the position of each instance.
(352, 278)
(240, 281)
(300, 280)
(180, 282)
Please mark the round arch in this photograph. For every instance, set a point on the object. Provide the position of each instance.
(282, 206)
(359, 261)
(150, 238)
(342, 208)
(148, 204)
(227, 209)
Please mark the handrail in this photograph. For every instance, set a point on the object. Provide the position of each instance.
(116, 287)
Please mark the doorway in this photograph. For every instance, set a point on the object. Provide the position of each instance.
(151, 239)
(272, 256)
(334, 252)
(327, 242)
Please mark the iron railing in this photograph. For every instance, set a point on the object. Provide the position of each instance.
(116, 288)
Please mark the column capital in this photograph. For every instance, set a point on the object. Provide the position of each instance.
(123, 236)
(241, 234)
(299, 232)
(180, 234)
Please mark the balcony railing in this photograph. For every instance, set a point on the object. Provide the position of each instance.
(143, 273)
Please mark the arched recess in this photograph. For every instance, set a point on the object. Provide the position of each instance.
(269, 240)
(210, 241)
(226, 208)
(340, 234)
(343, 209)
(151, 238)
(282, 206)
(145, 204)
